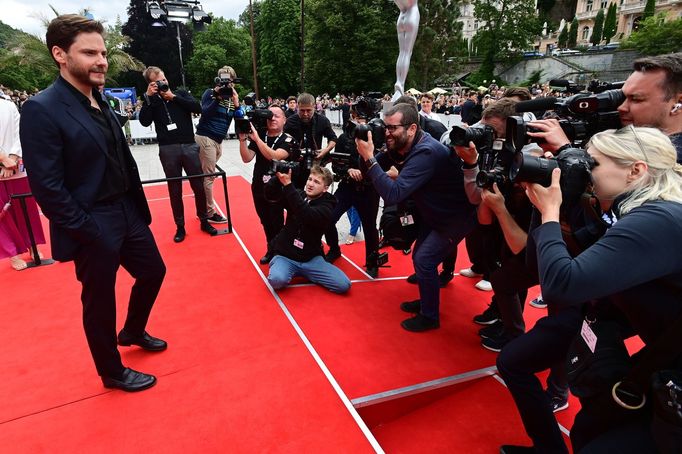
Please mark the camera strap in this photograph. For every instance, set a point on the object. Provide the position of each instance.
(165, 108)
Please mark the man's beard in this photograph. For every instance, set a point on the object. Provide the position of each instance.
(83, 74)
(398, 143)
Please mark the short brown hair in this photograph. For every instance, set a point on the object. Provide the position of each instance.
(409, 113)
(149, 70)
(521, 92)
(426, 95)
(406, 99)
(291, 98)
(324, 172)
(306, 99)
(671, 64)
(502, 108)
(64, 29)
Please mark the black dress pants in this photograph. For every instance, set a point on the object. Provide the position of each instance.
(271, 214)
(366, 201)
(544, 346)
(125, 240)
(511, 282)
(174, 158)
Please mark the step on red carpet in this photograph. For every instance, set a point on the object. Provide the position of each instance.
(249, 369)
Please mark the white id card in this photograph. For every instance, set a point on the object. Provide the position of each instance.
(266, 178)
(406, 220)
(589, 336)
(298, 243)
(171, 126)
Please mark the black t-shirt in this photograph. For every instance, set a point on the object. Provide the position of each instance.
(313, 132)
(262, 165)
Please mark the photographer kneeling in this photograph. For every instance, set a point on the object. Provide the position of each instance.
(267, 145)
(631, 267)
(298, 246)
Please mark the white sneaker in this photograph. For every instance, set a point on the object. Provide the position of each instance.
(468, 272)
(484, 285)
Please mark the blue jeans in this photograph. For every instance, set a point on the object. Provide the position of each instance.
(316, 270)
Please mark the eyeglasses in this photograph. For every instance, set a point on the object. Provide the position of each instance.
(392, 128)
(639, 142)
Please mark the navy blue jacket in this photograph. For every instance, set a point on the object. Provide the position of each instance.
(636, 265)
(65, 156)
(433, 178)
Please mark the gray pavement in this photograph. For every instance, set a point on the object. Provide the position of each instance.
(149, 165)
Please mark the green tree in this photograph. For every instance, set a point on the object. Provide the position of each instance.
(649, 9)
(598, 29)
(655, 36)
(277, 28)
(563, 37)
(439, 39)
(573, 34)
(610, 25)
(222, 43)
(350, 46)
(509, 25)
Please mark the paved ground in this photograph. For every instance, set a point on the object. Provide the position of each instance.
(149, 165)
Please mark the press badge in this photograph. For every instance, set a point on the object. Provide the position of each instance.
(266, 178)
(171, 126)
(588, 336)
(298, 243)
(406, 220)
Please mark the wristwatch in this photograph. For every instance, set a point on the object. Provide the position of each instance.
(370, 162)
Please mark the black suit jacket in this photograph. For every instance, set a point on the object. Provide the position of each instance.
(64, 153)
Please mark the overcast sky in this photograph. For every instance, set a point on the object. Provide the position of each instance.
(20, 13)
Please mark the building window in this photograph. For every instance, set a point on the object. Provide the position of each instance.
(604, 4)
(586, 32)
(589, 5)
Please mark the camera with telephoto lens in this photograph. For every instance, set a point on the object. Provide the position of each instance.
(576, 172)
(494, 155)
(223, 82)
(162, 86)
(376, 126)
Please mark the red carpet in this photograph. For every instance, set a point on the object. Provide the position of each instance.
(237, 377)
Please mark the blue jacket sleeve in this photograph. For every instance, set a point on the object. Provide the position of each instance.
(415, 174)
(614, 263)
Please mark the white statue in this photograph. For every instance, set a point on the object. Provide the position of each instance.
(544, 29)
(407, 26)
(562, 24)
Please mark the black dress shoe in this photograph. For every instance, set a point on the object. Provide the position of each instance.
(266, 258)
(179, 235)
(208, 228)
(413, 307)
(445, 277)
(373, 271)
(332, 255)
(420, 323)
(130, 381)
(147, 342)
(412, 278)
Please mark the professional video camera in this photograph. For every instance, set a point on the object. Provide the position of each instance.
(580, 116)
(162, 86)
(223, 81)
(576, 172)
(258, 117)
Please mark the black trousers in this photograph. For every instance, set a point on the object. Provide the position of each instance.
(483, 246)
(543, 347)
(126, 241)
(366, 201)
(271, 214)
(511, 282)
(175, 158)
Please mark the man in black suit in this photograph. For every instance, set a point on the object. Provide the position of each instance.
(86, 181)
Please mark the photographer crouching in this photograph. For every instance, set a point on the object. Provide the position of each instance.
(268, 144)
(298, 246)
(354, 189)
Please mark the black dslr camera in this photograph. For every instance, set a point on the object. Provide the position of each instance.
(258, 117)
(494, 155)
(341, 163)
(223, 82)
(162, 86)
(576, 172)
(283, 166)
